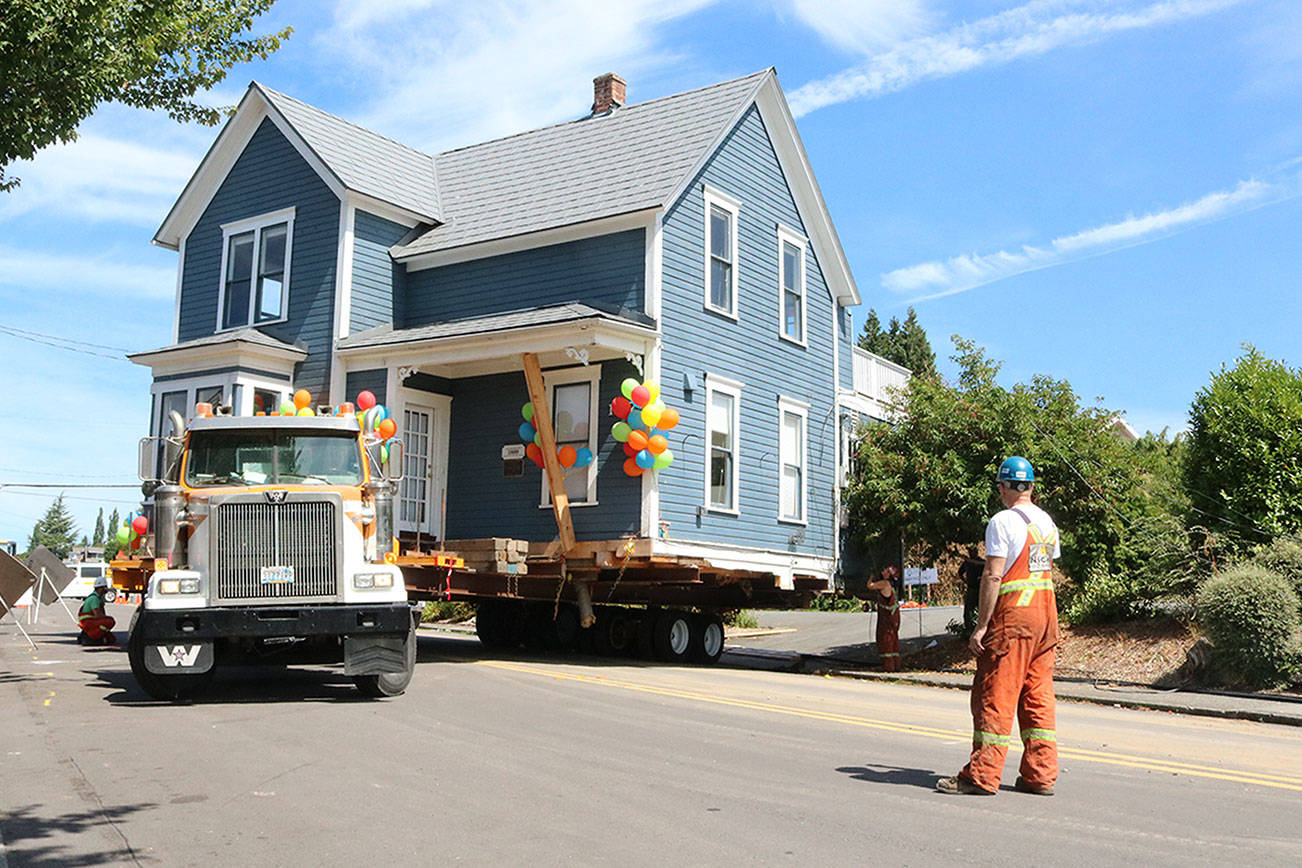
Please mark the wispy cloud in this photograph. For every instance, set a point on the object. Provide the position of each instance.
(70, 273)
(936, 279)
(1032, 29)
(863, 26)
(449, 73)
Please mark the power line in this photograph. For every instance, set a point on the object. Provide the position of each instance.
(63, 339)
(4, 485)
(61, 346)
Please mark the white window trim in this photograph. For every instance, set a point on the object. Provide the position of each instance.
(256, 225)
(552, 379)
(716, 198)
(801, 409)
(790, 236)
(714, 383)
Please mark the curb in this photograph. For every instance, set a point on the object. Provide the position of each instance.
(1069, 696)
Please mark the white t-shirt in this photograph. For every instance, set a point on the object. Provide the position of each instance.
(1006, 533)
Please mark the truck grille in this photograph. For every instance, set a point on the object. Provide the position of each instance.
(247, 536)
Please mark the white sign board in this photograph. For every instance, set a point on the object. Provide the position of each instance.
(920, 576)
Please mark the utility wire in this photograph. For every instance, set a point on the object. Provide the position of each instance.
(65, 340)
(61, 346)
(4, 485)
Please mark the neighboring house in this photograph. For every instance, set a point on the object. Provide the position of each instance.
(683, 239)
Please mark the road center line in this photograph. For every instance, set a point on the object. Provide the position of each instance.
(1127, 760)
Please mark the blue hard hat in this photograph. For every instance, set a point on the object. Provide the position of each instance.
(1016, 469)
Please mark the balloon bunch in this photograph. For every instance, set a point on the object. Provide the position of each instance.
(643, 416)
(132, 532)
(568, 456)
(375, 420)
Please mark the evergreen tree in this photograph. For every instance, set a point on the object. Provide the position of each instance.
(904, 343)
(111, 533)
(98, 537)
(871, 335)
(56, 530)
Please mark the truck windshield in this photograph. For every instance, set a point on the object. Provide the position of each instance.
(273, 458)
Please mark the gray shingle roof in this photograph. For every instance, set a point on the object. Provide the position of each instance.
(364, 161)
(244, 335)
(385, 335)
(626, 160)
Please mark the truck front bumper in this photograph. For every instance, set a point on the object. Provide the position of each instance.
(210, 624)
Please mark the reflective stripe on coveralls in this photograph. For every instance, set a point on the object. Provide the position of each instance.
(1015, 673)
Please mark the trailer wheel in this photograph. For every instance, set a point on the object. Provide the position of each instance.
(567, 628)
(493, 624)
(165, 688)
(390, 683)
(707, 638)
(615, 633)
(672, 636)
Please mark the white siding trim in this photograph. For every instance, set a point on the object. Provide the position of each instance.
(180, 284)
(715, 383)
(725, 556)
(396, 403)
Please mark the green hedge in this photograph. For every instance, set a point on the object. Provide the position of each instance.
(1283, 556)
(1250, 613)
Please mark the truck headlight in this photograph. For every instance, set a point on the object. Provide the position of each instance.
(178, 586)
(373, 580)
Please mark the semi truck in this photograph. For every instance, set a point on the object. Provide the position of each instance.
(271, 542)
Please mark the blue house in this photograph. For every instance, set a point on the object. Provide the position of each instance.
(682, 239)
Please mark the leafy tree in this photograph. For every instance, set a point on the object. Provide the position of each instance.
(930, 476)
(59, 59)
(55, 530)
(902, 343)
(98, 537)
(1244, 462)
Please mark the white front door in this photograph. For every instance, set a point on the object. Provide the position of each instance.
(423, 430)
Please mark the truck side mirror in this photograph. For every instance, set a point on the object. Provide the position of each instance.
(393, 469)
(156, 467)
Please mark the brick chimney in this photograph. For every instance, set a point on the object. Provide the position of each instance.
(609, 91)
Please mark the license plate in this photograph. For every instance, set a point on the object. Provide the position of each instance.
(277, 575)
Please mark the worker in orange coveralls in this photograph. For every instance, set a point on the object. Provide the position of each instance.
(95, 624)
(888, 617)
(1014, 640)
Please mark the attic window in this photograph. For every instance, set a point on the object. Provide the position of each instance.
(255, 270)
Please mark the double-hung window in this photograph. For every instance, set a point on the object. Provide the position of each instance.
(721, 212)
(793, 484)
(572, 396)
(255, 269)
(722, 464)
(791, 284)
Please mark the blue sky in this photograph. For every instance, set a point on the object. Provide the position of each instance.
(1105, 191)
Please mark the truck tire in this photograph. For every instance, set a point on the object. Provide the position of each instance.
(390, 683)
(567, 628)
(165, 688)
(672, 636)
(615, 633)
(707, 638)
(493, 625)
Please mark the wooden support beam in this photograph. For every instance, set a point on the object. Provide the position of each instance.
(542, 420)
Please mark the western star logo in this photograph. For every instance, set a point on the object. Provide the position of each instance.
(276, 496)
(179, 655)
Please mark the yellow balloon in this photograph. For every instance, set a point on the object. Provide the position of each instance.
(651, 415)
(654, 388)
(306, 411)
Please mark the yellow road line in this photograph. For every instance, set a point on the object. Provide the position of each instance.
(1130, 761)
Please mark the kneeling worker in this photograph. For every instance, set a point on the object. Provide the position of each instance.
(883, 592)
(95, 625)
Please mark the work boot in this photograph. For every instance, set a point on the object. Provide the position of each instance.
(1023, 787)
(961, 786)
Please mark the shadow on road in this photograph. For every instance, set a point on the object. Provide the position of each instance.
(877, 773)
(26, 826)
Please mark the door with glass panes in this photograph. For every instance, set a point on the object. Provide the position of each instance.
(420, 494)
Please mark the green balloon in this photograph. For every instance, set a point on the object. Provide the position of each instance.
(124, 535)
(663, 460)
(628, 386)
(537, 438)
(287, 408)
(620, 431)
(527, 412)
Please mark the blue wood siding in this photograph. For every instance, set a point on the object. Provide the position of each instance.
(607, 271)
(482, 503)
(268, 176)
(359, 381)
(846, 348)
(376, 277)
(749, 350)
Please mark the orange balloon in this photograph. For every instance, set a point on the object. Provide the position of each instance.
(657, 444)
(302, 398)
(668, 419)
(631, 468)
(568, 455)
(636, 440)
(535, 453)
(387, 428)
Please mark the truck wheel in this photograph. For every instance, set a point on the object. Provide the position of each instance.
(567, 628)
(671, 636)
(390, 683)
(707, 638)
(493, 625)
(615, 633)
(165, 688)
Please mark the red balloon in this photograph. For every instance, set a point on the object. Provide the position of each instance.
(620, 407)
(535, 453)
(629, 451)
(140, 525)
(568, 455)
(641, 396)
(365, 400)
(387, 428)
(631, 467)
(135, 543)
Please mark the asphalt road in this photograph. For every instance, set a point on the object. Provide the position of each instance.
(490, 760)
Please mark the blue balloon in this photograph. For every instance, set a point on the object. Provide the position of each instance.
(645, 460)
(584, 457)
(635, 421)
(526, 432)
(383, 413)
